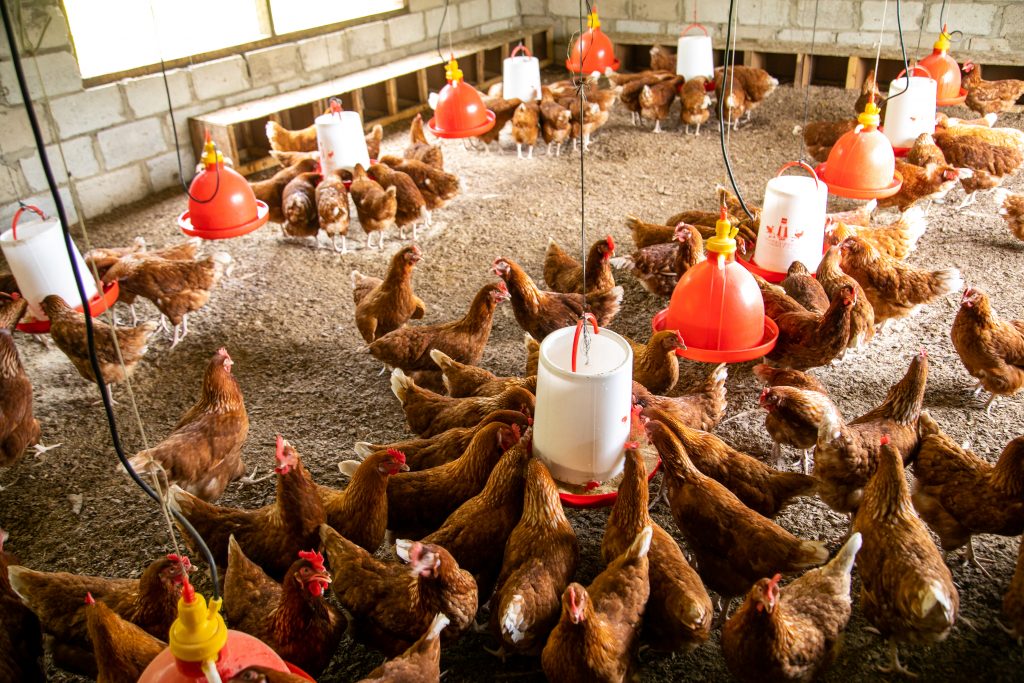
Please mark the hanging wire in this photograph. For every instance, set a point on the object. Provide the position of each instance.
(903, 51)
(79, 283)
(807, 91)
(942, 14)
(440, 31)
(721, 108)
(581, 88)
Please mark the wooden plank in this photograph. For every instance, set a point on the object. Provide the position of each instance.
(754, 59)
(802, 75)
(856, 72)
(481, 74)
(391, 93)
(550, 40)
(421, 85)
(257, 165)
(357, 101)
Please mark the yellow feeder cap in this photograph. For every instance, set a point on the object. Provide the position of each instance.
(199, 633)
(724, 241)
(871, 115)
(452, 71)
(943, 43)
(593, 21)
(211, 155)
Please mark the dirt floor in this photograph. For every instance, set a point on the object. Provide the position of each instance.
(286, 316)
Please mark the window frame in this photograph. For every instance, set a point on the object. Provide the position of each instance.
(270, 41)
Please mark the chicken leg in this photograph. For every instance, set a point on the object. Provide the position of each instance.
(894, 662)
(344, 244)
(657, 125)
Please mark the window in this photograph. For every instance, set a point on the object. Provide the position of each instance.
(115, 36)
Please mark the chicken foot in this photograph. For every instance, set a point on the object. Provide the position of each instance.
(968, 200)
(662, 495)
(250, 478)
(657, 126)
(1010, 632)
(971, 559)
(180, 331)
(894, 663)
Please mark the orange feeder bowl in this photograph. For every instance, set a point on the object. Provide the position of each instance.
(597, 499)
(460, 113)
(593, 51)
(221, 203)
(98, 304)
(945, 71)
(862, 164)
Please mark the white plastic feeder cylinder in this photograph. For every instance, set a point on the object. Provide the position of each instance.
(792, 226)
(910, 113)
(38, 259)
(694, 54)
(582, 417)
(340, 139)
(520, 76)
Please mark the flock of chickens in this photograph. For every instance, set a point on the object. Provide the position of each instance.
(490, 534)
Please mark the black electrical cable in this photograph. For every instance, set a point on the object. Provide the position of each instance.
(903, 49)
(177, 147)
(89, 335)
(721, 110)
(583, 215)
(440, 29)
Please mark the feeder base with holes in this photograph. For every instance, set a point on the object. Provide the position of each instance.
(603, 494)
(439, 132)
(98, 304)
(858, 193)
(771, 335)
(952, 101)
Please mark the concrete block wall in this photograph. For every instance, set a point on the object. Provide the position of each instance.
(988, 25)
(117, 139)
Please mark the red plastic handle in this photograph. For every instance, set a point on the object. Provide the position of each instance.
(576, 337)
(521, 48)
(915, 68)
(17, 215)
(685, 30)
(803, 165)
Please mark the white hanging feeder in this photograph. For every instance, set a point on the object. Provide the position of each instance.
(582, 415)
(340, 139)
(520, 76)
(694, 54)
(910, 113)
(36, 253)
(792, 226)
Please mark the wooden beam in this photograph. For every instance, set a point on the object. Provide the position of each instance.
(357, 101)
(481, 60)
(391, 95)
(856, 72)
(803, 72)
(754, 59)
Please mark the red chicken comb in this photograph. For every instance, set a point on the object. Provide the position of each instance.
(314, 558)
(764, 394)
(610, 242)
(631, 445)
(224, 352)
(182, 560)
(279, 454)
(679, 336)
(397, 454)
(89, 600)
(885, 440)
(773, 585)
(924, 352)
(517, 434)
(501, 287)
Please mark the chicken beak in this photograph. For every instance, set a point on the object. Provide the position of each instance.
(403, 467)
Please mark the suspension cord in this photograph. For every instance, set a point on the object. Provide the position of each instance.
(807, 90)
(721, 109)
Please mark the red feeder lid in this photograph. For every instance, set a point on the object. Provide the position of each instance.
(718, 307)
(861, 164)
(944, 70)
(598, 53)
(221, 204)
(460, 113)
(98, 304)
(598, 500)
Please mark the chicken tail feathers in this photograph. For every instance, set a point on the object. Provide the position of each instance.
(843, 561)
(363, 449)
(948, 281)
(512, 619)
(621, 262)
(20, 578)
(935, 603)
(401, 385)
(642, 543)
(914, 224)
(436, 626)
(829, 429)
(1000, 195)
(810, 554)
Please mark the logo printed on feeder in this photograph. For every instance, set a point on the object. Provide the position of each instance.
(781, 232)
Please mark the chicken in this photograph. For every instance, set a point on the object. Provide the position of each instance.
(532, 348)
(733, 106)
(733, 545)
(656, 100)
(755, 83)
(429, 414)
(332, 209)
(12, 309)
(421, 663)
(101, 258)
(629, 87)
(284, 140)
(263, 674)
(271, 190)
(21, 645)
(360, 512)
(598, 632)
(292, 617)
(477, 532)
(658, 267)
(373, 140)
(541, 313)
(792, 634)
(298, 204)
(793, 419)
(894, 289)
(593, 118)
(958, 494)
(991, 153)
(176, 287)
(526, 127)
(464, 339)
(821, 136)
(695, 104)
(662, 59)
(808, 340)
(763, 489)
(1011, 208)
(563, 273)
(412, 208)
(18, 428)
(67, 327)
(783, 377)
(122, 649)
(834, 280)
(503, 110)
(419, 502)
(987, 97)
(383, 306)
(920, 183)
(375, 205)
(540, 560)
(271, 535)
(555, 124)
(847, 453)
(869, 92)
(150, 602)
(897, 239)
(907, 592)
(436, 186)
(655, 364)
(421, 150)
(804, 289)
(392, 604)
(1013, 601)
(991, 349)
(203, 453)
(679, 612)
(700, 407)
(462, 380)
(649, 234)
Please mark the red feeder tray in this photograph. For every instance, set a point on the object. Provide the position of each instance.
(98, 304)
(593, 50)
(299, 672)
(460, 113)
(858, 193)
(599, 499)
(771, 335)
(952, 101)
